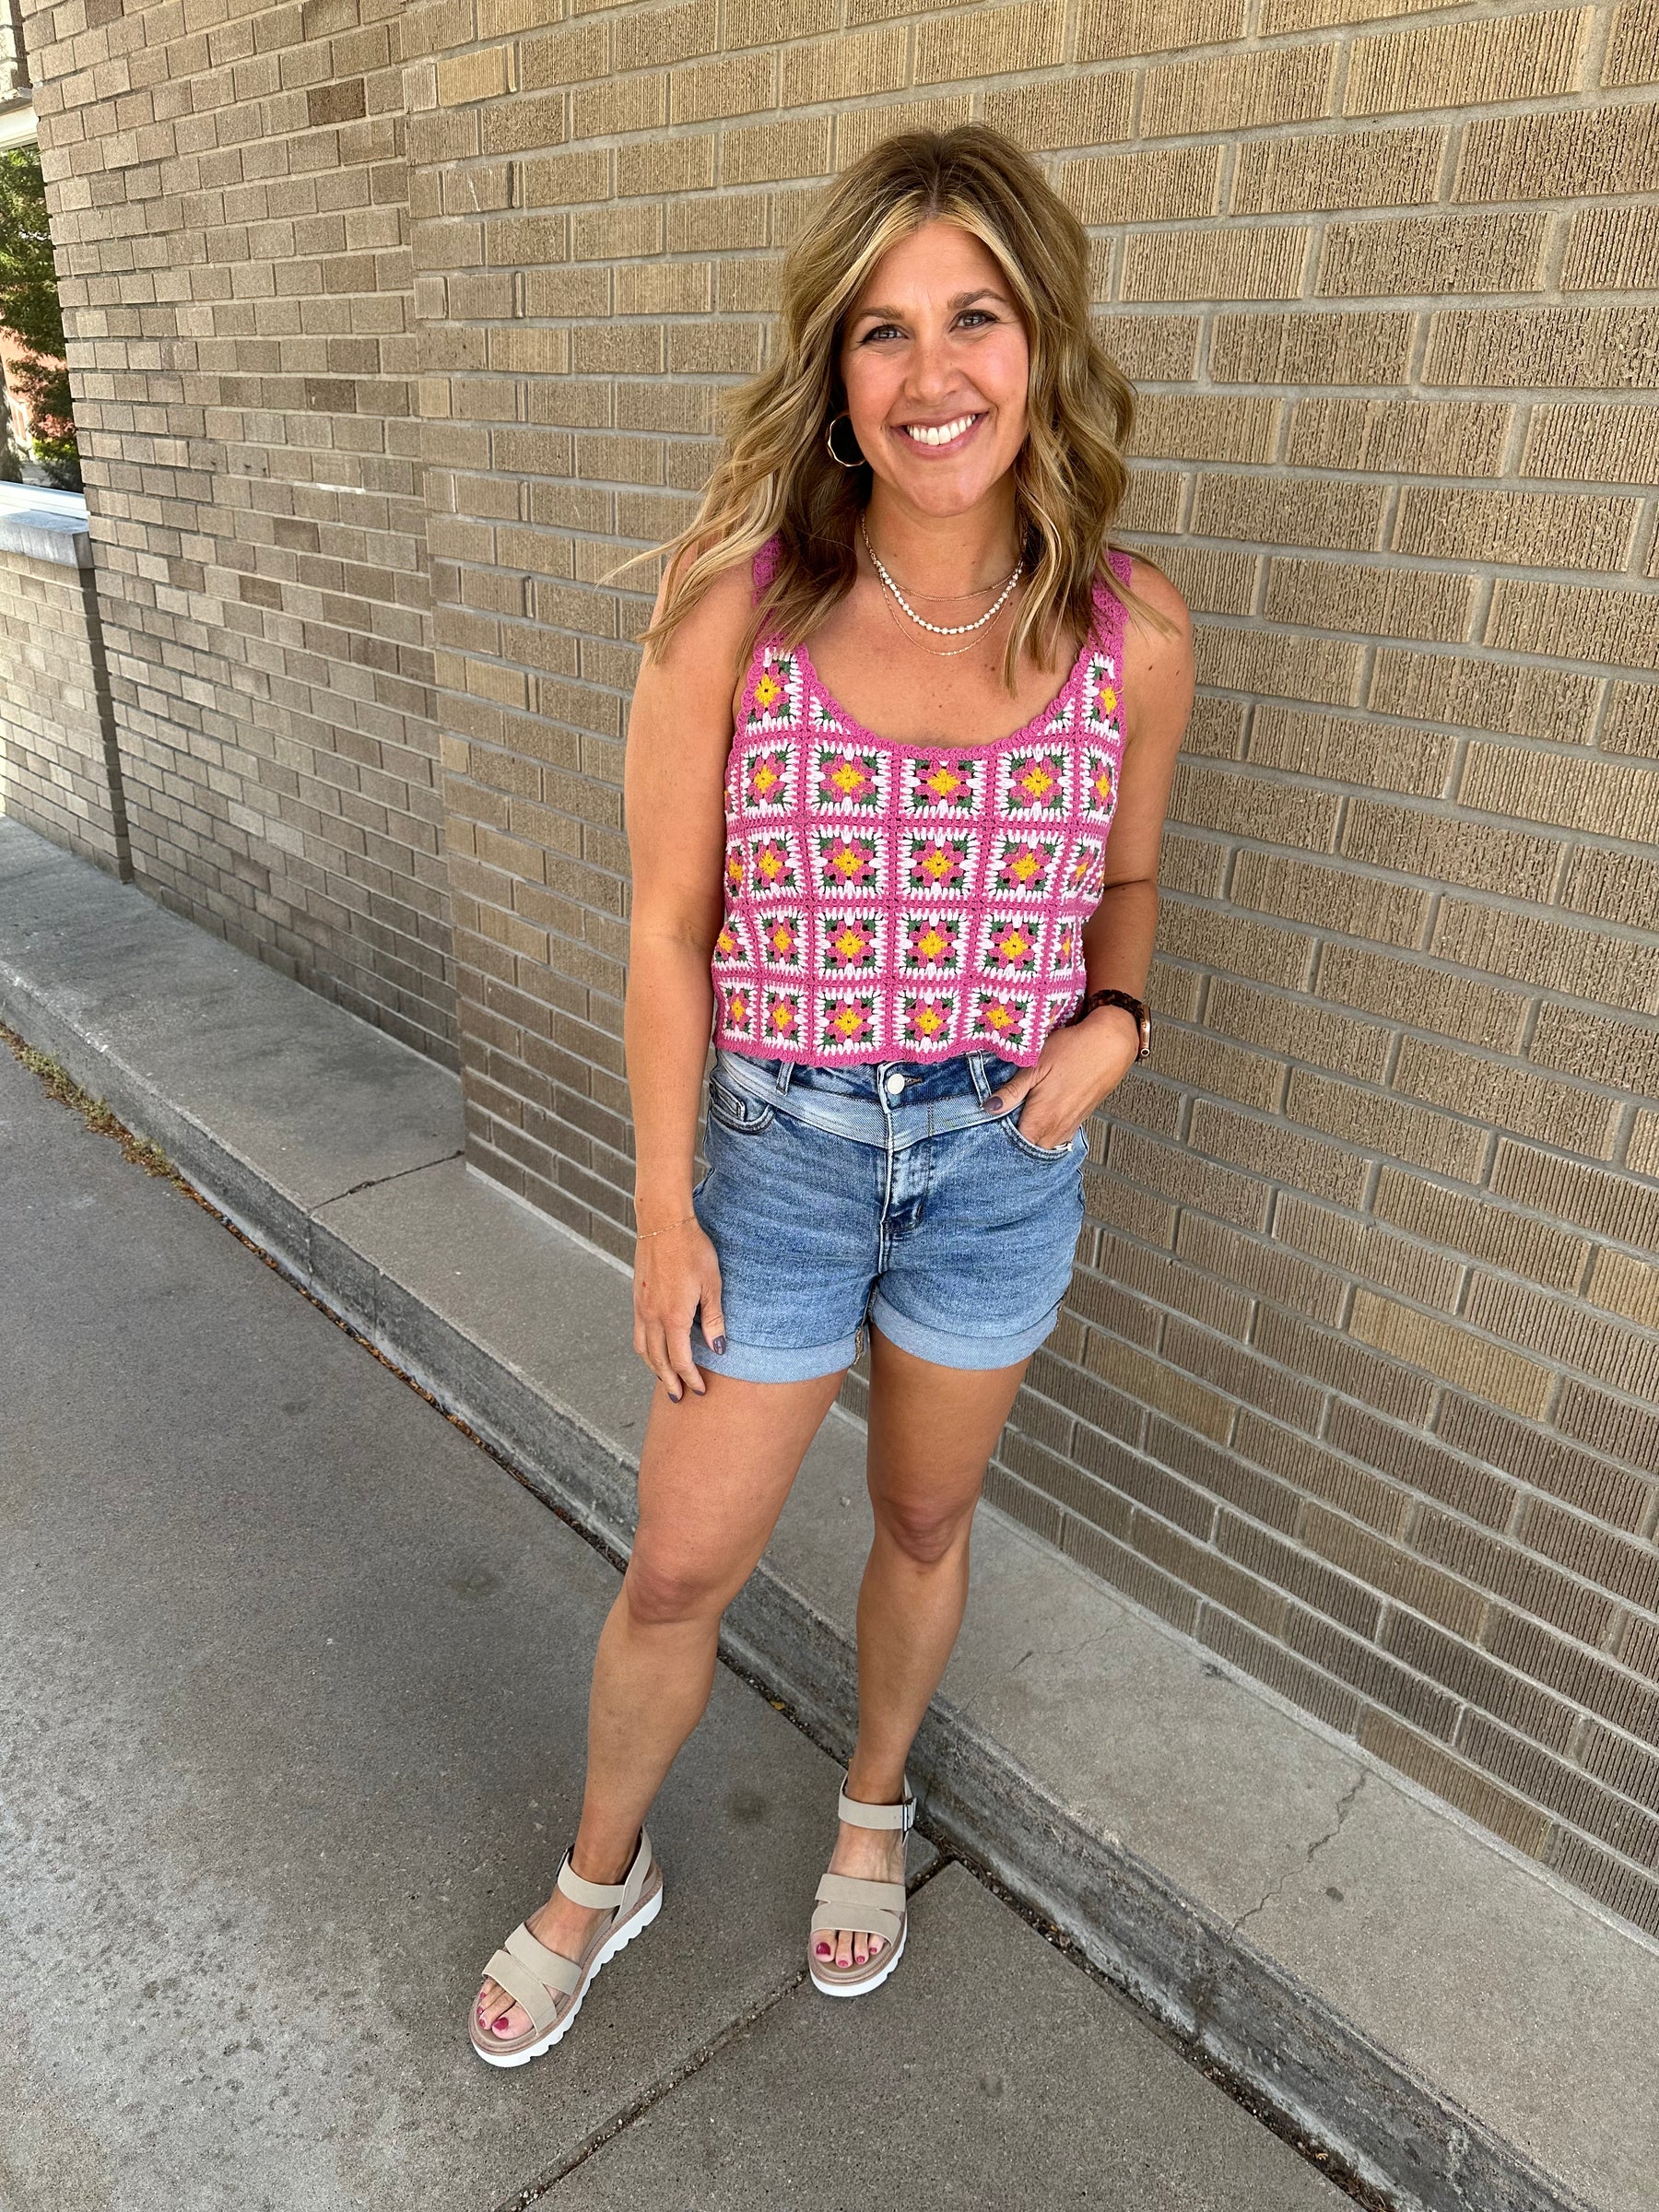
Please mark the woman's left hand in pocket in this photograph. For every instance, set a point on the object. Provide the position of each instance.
(1080, 1066)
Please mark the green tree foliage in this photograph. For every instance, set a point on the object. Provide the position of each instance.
(30, 312)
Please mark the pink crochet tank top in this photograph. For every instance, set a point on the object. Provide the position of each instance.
(889, 899)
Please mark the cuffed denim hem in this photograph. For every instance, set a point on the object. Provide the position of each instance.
(773, 1362)
(947, 1350)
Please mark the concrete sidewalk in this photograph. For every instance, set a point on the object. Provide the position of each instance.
(296, 1685)
(1259, 1883)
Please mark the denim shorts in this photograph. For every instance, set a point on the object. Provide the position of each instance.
(885, 1193)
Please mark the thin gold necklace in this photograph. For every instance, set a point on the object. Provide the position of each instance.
(941, 629)
(955, 652)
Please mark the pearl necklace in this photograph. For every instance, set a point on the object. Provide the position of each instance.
(941, 629)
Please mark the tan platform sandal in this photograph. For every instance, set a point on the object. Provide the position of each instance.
(848, 1901)
(549, 1987)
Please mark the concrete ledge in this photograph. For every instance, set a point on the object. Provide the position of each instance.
(45, 525)
(1453, 2023)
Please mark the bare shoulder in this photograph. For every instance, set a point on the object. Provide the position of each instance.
(1149, 646)
(704, 643)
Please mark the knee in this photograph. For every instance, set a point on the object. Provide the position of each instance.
(662, 1591)
(927, 1535)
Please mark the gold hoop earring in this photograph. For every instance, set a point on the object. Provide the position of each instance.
(830, 444)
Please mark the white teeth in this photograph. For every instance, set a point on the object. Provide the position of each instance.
(941, 433)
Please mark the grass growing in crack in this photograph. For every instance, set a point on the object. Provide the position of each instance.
(95, 1112)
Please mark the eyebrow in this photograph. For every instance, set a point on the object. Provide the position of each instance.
(962, 299)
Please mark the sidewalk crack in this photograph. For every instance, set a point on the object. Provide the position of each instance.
(1345, 1805)
(372, 1183)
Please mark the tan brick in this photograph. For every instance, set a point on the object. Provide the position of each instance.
(1297, 1029)
(1447, 849)
(1304, 173)
(1124, 29)
(665, 165)
(1162, 184)
(1559, 349)
(1586, 621)
(702, 92)
(1337, 898)
(1088, 110)
(1249, 806)
(1274, 1148)
(1420, 255)
(626, 103)
(1393, 601)
(1463, 65)
(1631, 725)
(1612, 249)
(770, 22)
(1399, 436)
(564, 58)
(1237, 91)
(1517, 526)
(1387, 1125)
(1483, 1230)
(1558, 154)
(1374, 754)
(1255, 950)
(1456, 1354)
(1349, 347)
(990, 42)
(1447, 1777)
(1608, 799)
(1643, 1154)
(652, 38)
(1256, 263)
(1566, 1332)
(1487, 695)
(1197, 425)
(764, 152)
(849, 68)
(1594, 444)
(1265, 509)
(1625, 1285)
(1632, 56)
(1374, 982)
(1508, 1097)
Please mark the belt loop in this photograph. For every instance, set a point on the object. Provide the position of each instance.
(784, 1076)
(976, 1069)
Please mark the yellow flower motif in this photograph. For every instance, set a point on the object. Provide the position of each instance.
(1024, 866)
(1108, 698)
(851, 943)
(766, 775)
(768, 689)
(769, 864)
(782, 940)
(846, 861)
(999, 1018)
(1037, 781)
(943, 783)
(725, 944)
(739, 1009)
(848, 777)
(932, 943)
(937, 863)
(848, 1021)
(930, 1021)
(783, 1015)
(1013, 944)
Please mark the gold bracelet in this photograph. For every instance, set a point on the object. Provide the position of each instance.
(666, 1227)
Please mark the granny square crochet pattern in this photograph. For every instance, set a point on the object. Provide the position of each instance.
(896, 900)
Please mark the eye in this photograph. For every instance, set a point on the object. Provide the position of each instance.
(881, 330)
(983, 314)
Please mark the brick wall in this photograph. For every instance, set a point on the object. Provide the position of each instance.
(1356, 1379)
(226, 189)
(54, 727)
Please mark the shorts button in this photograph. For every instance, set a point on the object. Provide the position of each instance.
(895, 1084)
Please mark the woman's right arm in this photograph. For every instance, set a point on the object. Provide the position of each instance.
(679, 734)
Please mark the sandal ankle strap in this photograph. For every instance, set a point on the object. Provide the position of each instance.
(857, 1814)
(596, 1896)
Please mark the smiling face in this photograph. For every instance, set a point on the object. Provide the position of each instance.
(935, 365)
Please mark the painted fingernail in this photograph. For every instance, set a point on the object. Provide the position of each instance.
(993, 1105)
(675, 1396)
(720, 1343)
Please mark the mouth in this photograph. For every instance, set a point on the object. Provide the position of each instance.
(935, 436)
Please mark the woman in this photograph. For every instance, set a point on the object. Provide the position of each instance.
(921, 959)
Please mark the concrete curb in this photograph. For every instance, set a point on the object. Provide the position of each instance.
(1242, 2009)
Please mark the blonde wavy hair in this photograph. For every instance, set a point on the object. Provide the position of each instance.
(774, 474)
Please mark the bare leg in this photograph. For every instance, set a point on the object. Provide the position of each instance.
(932, 1430)
(714, 1472)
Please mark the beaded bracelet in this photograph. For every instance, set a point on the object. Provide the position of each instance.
(663, 1230)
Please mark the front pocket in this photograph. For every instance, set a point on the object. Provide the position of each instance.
(733, 1110)
(1075, 1147)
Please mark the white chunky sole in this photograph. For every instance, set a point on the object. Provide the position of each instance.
(863, 1989)
(618, 1940)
